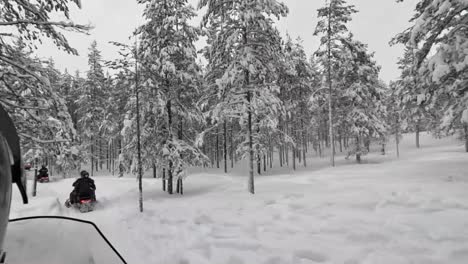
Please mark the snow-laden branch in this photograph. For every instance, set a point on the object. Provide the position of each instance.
(33, 74)
(61, 24)
(23, 107)
(42, 141)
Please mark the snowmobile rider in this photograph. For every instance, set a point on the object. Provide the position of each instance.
(43, 172)
(11, 171)
(84, 188)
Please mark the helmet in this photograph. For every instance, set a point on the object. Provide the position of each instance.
(84, 174)
(11, 170)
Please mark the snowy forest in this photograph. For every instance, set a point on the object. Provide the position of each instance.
(249, 94)
(226, 140)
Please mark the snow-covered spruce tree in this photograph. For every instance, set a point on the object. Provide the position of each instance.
(214, 99)
(409, 90)
(120, 95)
(318, 107)
(68, 91)
(169, 87)
(332, 29)
(439, 38)
(37, 109)
(122, 113)
(363, 95)
(91, 108)
(248, 83)
(295, 81)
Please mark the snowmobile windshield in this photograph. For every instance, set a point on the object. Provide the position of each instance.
(57, 240)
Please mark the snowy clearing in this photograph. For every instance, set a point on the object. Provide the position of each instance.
(412, 210)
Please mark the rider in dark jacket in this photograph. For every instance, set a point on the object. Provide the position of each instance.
(43, 172)
(84, 188)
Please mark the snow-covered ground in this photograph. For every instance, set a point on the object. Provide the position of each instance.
(411, 210)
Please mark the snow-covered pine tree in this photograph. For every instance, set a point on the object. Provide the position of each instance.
(363, 94)
(169, 85)
(68, 92)
(120, 95)
(318, 105)
(90, 107)
(218, 59)
(248, 83)
(408, 90)
(332, 29)
(439, 37)
(295, 80)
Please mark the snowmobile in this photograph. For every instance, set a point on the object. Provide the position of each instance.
(43, 175)
(84, 204)
(43, 178)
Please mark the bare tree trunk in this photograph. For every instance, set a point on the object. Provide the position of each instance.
(232, 145)
(367, 143)
(113, 156)
(120, 162)
(340, 139)
(358, 150)
(92, 159)
(397, 141)
(271, 154)
(154, 170)
(294, 147)
(101, 154)
(294, 157)
(259, 159)
(465, 126)
(280, 155)
(225, 147)
(417, 134)
(107, 157)
(319, 145)
(330, 91)
(217, 148)
(178, 185)
(204, 152)
(181, 187)
(164, 179)
(171, 164)
(304, 154)
(298, 148)
(251, 151)
(397, 136)
(34, 191)
(96, 157)
(140, 168)
(304, 143)
(259, 163)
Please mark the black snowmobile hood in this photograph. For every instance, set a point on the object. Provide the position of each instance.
(8, 130)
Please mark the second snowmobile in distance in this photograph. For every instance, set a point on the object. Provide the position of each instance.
(43, 175)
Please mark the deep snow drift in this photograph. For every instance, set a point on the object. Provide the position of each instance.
(411, 210)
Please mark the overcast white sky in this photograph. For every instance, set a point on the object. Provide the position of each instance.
(114, 20)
